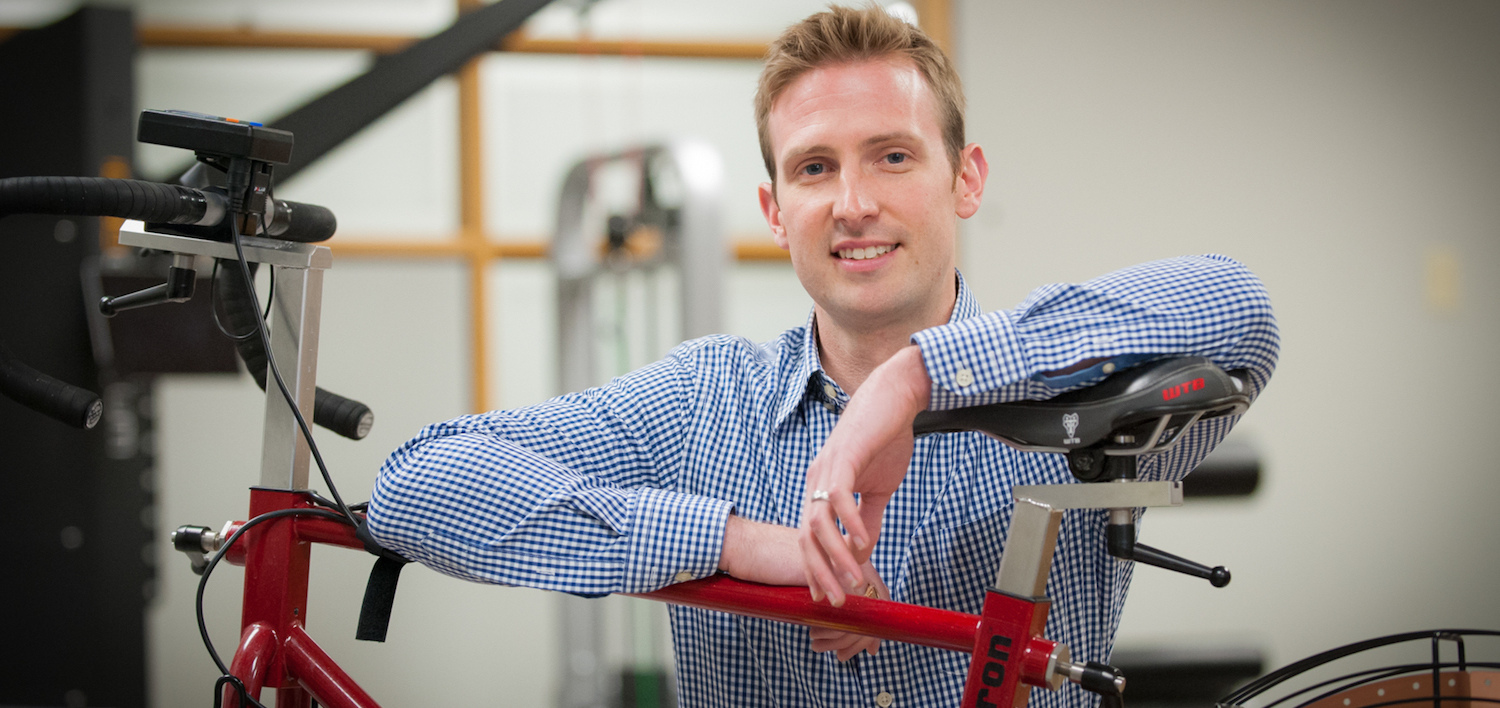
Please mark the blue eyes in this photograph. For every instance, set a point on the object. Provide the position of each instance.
(816, 169)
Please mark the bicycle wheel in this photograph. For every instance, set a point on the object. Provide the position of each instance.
(1432, 667)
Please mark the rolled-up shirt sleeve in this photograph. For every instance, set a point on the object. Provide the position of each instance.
(1208, 306)
(573, 495)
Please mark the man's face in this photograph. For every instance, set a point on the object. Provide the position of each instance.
(865, 197)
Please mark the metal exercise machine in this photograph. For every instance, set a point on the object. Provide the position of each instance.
(665, 219)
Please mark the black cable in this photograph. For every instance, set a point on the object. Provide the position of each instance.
(270, 287)
(213, 306)
(213, 303)
(321, 500)
(239, 687)
(214, 562)
(276, 372)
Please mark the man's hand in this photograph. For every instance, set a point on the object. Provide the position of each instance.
(766, 553)
(868, 454)
(848, 644)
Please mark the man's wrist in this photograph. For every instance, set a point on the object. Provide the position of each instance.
(911, 370)
(760, 552)
(736, 540)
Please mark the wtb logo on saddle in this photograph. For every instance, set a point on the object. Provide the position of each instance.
(1172, 392)
(1070, 424)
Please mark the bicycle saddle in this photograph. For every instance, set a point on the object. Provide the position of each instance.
(1139, 410)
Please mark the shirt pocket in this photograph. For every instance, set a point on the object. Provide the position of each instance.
(951, 567)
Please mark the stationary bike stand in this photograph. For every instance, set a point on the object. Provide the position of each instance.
(275, 650)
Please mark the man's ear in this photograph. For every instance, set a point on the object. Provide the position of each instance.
(969, 185)
(772, 212)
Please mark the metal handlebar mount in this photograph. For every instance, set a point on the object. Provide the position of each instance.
(294, 335)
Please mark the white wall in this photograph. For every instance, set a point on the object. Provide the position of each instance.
(1349, 152)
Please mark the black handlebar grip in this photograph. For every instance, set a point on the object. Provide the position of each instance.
(303, 223)
(101, 196)
(70, 404)
(344, 416)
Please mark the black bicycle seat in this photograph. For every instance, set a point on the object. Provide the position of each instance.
(1139, 410)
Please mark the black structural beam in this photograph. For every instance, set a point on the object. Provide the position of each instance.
(328, 120)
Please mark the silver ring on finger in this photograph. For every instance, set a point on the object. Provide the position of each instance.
(819, 495)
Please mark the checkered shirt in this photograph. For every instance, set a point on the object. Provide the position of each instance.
(621, 488)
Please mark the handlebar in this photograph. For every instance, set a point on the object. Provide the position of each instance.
(63, 401)
(186, 211)
(157, 203)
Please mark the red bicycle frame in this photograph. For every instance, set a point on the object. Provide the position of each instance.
(1008, 654)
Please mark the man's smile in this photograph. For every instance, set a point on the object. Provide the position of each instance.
(867, 252)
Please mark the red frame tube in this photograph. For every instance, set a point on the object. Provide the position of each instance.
(1009, 641)
(928, 626)
(320, 674)
(251, 663)
(275, 650)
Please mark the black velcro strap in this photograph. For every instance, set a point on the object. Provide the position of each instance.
(380, 595)
(380, 590)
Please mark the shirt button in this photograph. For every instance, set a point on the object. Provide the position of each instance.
(831, 392)
(964, 378)
(683, 577)
(884, 699)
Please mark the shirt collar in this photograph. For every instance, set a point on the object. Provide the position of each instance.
(807, 378)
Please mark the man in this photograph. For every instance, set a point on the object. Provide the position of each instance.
(704, 461)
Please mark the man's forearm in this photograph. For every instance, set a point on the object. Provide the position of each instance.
(760, 552)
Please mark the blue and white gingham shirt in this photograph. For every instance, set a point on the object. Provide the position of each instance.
(621, 488)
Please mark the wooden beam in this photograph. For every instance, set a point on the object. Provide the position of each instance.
(169, 36)
(520, 42)
(471, 223)
(936, 17)
(759, 249)
(183, 36)
(448, 248)
(750, 248)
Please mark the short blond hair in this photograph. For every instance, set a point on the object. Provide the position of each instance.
(844, 34)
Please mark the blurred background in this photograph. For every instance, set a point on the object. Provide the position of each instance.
(1347, 151)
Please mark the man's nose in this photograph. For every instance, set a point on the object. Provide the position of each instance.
(855, 201)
